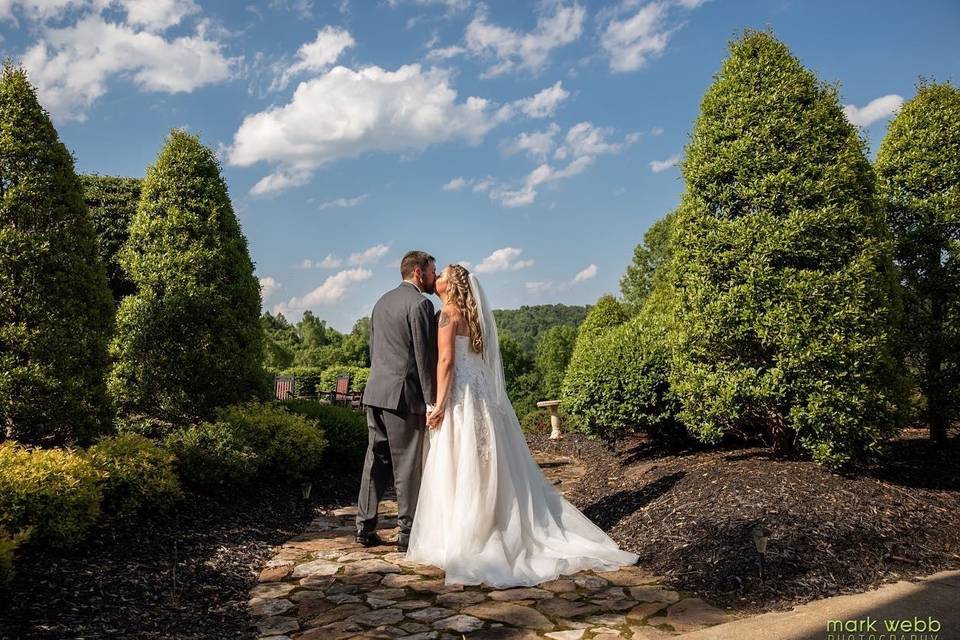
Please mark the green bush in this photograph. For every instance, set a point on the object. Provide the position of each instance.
(358, 377)
(57, 312)
(136, 474)
(8, 546)
(55, 492)
(918, 178)
(152, 427)
(553, 356)
(344, 428)
(288, 446)
(190, 338)
(246, 442)
(620, 378)
(782, 262)
(112, 202)
(307, 380)
(212, 455)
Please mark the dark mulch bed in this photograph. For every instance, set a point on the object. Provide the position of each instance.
(689, 515)
(183, 576)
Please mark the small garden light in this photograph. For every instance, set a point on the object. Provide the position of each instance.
(761, 535)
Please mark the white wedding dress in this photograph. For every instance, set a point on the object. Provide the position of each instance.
(486, 513)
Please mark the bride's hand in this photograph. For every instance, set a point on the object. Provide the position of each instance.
(435, 418)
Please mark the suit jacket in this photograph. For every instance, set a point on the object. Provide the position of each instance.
(403, 351)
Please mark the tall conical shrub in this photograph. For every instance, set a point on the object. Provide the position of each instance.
(190, 338)
(112, 202)
(785, 287)
(918, 178)
(56, 311)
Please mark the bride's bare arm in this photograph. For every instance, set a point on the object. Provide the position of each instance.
(446, 332)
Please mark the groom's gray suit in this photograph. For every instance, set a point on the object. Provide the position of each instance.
(403, 364)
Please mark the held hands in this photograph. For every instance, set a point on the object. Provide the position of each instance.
(434, 417)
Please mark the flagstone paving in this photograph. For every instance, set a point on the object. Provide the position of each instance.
(322, 585)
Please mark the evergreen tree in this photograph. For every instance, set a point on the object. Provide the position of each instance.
(553, 356)
(56, 311)
(918, 174)
(112, 202)
(648, 259)
(786, 291)
(190, 338)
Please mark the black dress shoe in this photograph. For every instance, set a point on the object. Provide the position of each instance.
(369, 539)
(402, 544)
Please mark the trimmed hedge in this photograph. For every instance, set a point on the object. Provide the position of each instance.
(344, 428)
(307, 379)
(190, 338)
(136, 474)
(619, 380)
(112, 202)
(56, 492)
(787, 295)
(246, 442)
(358, 377)
(57, 311)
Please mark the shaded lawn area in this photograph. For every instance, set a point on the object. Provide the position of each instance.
(689, 515)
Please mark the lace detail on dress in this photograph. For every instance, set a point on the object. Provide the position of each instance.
(470, 377)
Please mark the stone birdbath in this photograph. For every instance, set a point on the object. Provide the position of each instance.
(554, 406)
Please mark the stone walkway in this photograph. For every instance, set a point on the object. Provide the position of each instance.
(323, 585)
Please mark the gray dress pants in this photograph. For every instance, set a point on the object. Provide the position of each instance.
(394, 444)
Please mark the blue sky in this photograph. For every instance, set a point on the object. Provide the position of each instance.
(533, 140)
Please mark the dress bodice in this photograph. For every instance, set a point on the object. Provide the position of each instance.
(469, 367)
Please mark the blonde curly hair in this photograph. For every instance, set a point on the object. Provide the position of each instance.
(462, 296)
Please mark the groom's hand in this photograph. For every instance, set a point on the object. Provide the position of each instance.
(435, 418)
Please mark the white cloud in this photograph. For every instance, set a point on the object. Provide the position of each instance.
(582, 144)
(482, 186)
(158, 14)
(445, 53)
(368, 256)
(301, 8)
(875, 110)
(542, 175)
(656, 131)
(585, 139)
(506, 259)
(587, 274)
(330, 262)
(548, 286)
(662, 165)
(544, 103)
(332, 290)
(318, 55)
(72, 66)
(538, 144)
(631, 41)
(512, 50)
(154, 15)
(278, 181)
(456, 184)
(451, 5)
(343, 203)
(268, 287)
(306, 264)
(344, 113)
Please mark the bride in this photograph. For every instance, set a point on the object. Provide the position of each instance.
(486, 513)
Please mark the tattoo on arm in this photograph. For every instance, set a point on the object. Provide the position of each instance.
(444, 319)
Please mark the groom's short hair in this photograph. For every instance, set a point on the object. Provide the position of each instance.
(415, 259)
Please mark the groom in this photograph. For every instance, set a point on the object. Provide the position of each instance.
(403, 362)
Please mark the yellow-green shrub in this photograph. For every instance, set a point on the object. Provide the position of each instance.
(136, 474)
(54, 491)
